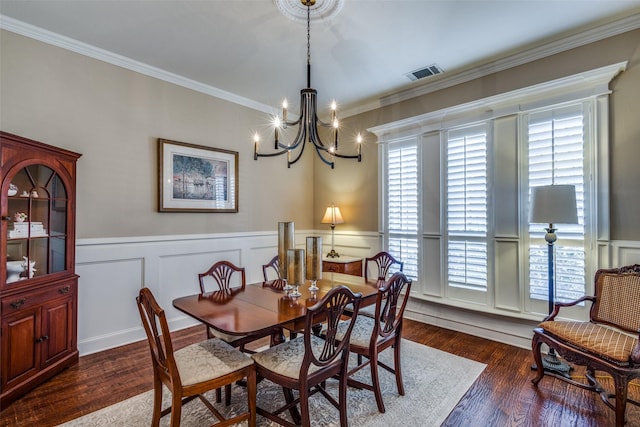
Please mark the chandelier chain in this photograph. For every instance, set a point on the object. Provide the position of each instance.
(308, 34)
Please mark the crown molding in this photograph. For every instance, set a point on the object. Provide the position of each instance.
(602, 32)
(583, 85)
(27, 30)
(610, 29)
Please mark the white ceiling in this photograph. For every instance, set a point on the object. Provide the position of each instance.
(249, 49)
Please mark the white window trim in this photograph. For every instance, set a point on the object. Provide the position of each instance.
(593, 84)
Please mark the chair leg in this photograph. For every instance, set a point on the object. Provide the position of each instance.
(621, 399)
(288, 397)
(251, 397)
(304, 407)
(219, 395)
(375, 379)
(342, 398)
(227, 394)
(536, 344)
(176, 409)
(398, 367)
(157, 402)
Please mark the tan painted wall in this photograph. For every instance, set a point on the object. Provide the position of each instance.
(114, 116)
(356, 187)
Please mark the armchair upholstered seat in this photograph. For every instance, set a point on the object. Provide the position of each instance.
(608, 342)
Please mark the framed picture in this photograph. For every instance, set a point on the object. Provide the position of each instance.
(194, 178)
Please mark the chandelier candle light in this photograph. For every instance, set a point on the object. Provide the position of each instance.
(332, 216)
(307, 122)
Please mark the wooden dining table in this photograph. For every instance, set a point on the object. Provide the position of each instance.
(265, 307)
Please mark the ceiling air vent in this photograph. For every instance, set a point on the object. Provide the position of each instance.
(428, 71)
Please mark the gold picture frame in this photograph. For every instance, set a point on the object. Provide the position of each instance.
(196, 178)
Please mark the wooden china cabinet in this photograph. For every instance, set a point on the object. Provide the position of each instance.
(38, 284)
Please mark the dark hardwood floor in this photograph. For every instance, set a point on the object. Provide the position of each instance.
(502, 396)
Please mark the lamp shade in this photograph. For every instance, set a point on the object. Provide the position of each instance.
(332, 216)
(553, 204)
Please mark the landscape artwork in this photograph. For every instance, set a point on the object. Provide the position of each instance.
(196, 178)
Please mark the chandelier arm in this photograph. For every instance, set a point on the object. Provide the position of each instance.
(290, 162)
(298, 139)
(349, 156)
(319, 151)
(315, 139)
(274, 154)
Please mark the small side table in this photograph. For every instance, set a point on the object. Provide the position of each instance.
(343, 264)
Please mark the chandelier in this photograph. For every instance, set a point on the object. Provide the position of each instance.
(307, 122)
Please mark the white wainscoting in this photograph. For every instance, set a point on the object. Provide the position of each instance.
(112, 271)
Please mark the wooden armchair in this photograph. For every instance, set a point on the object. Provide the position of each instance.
(608, 342)
(191, 371)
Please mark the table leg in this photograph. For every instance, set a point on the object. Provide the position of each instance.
(277, 337)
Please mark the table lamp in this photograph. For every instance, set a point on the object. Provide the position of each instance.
(332, 216)
(553, 204)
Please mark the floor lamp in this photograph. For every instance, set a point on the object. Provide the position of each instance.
(332, 216)
(553, 204)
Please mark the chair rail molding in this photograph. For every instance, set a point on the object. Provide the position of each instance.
(113, 270)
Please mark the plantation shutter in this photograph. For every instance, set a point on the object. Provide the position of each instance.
(467, 208)
(402, 205)
(556, 156)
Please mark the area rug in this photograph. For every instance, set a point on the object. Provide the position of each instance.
(434, 383)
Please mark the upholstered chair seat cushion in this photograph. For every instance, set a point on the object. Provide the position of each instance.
(225, 337)
(209, 359)
(361, 333)
(286, 358)
(596, 339)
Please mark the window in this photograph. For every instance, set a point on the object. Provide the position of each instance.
(467, 208)
(556, 141)
(456, 187)
(402, 202)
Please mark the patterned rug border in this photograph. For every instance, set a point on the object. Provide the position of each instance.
(434, 381)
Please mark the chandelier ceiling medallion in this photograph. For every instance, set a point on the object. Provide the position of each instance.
(308, 120)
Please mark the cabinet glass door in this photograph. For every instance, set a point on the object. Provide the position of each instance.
(37, 230)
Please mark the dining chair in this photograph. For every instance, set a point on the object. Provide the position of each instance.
(383, 262)
(225, 275)
(274, 265)
(373, 335)
(306, 362)
(191, 371)
(229, 279)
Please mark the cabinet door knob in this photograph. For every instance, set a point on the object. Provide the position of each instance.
(64, 290)
(41, 339)
(19, 303)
